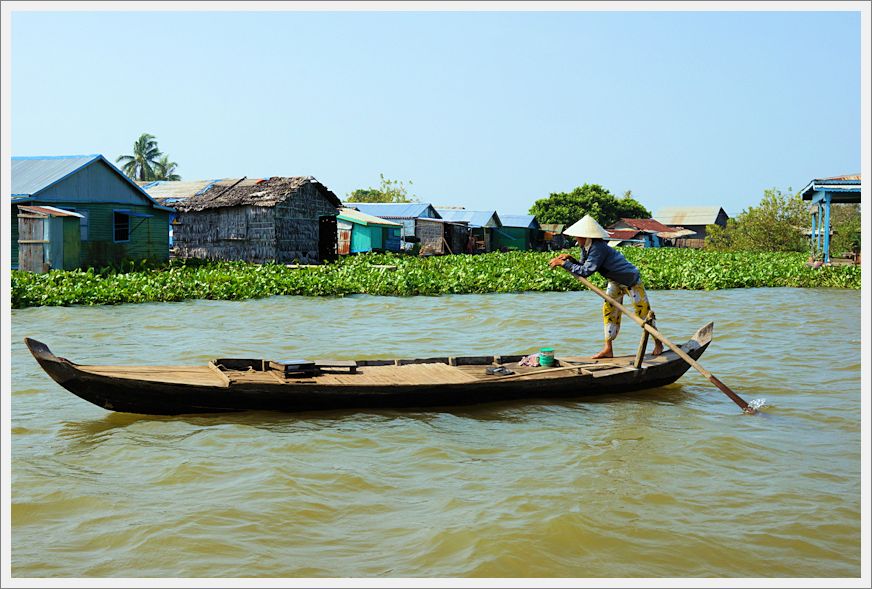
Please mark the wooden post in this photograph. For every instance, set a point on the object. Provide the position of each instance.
(640, 353)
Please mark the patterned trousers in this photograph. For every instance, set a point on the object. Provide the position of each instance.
(612, 315)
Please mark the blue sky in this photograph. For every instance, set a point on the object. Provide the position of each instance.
(487, 110)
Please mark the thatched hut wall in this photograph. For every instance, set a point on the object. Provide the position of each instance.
(297, 226)
(276, 220)
(244, 233)
(431, 233)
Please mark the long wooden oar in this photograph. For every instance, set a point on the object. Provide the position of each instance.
(681, 353)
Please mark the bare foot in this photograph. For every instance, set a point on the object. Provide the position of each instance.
(603, 354)
(658, 349)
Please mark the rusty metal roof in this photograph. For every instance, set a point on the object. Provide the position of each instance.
(622, 234)
(650, 225)
(171, 190)
(50, 211)
(684, 216)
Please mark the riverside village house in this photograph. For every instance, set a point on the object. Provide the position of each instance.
(79, 211)
(278, 219)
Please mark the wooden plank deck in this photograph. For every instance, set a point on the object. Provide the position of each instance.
(404, 374)
(200, 375)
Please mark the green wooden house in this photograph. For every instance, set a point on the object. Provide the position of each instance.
(117, 219)
(359, 232)
(519, 232)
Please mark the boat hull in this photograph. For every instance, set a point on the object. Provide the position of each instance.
(145, 396)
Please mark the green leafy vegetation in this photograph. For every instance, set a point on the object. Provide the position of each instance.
(662, 269)
(778, 223)
(388, 191)
(590, 199)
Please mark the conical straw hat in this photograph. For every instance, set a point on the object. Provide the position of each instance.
(587, 227)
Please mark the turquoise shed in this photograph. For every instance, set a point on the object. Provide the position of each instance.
(117, 219)
(359, 232)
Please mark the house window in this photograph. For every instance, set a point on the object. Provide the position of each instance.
(83, 225)
(120, 226)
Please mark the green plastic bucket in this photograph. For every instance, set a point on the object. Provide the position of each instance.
(546, 356)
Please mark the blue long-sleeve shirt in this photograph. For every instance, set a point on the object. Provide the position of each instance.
(606, 260)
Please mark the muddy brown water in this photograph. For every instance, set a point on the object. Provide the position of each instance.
(672, 482)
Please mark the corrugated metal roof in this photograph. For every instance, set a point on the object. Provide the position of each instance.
(474, 218)
(838, 178)
(33, 174)
(688, 215)
(849, 182)
(622, 234)
(552, 227)
(363, 218)
(175, 189)
(392, 210)
(528, 221)
(53, 211)
(675, 233)
(651, 225)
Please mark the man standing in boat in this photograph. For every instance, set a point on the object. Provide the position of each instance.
(623, 277)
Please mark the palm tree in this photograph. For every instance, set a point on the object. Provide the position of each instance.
(165, 169)
(140, 165)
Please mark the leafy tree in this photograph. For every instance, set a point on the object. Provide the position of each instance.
(165, 169)
(845, 224)
(388, 191)
(590, 199)
(141, 165)
(777, 224)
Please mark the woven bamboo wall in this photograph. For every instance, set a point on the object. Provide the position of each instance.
(430, 233)
(286, 232)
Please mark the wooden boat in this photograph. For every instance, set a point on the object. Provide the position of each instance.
(236, 384)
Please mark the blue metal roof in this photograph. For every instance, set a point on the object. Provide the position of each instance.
(528, 221)
(398, 210)
(849, 184)
(33, 174)
(474, 218)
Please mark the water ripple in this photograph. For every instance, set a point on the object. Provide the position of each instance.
(659, 483)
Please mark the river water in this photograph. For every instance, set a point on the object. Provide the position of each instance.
(673, 482)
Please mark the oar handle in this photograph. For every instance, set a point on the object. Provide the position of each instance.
(681, 353)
